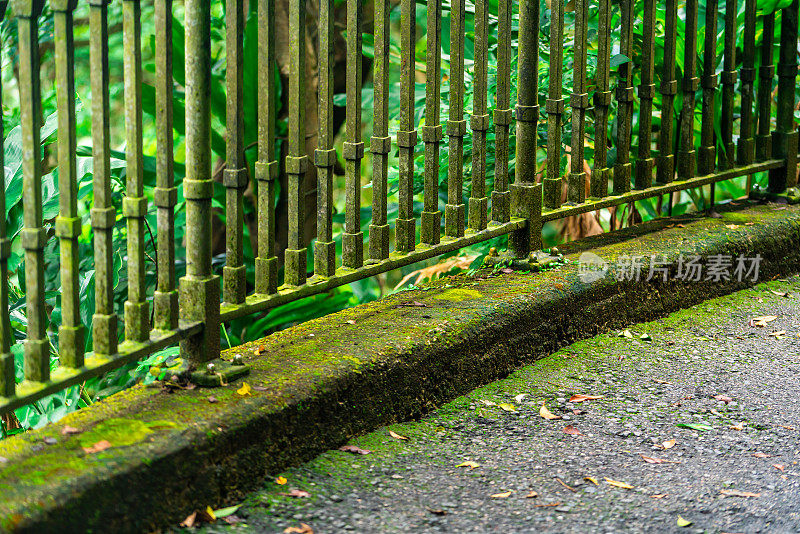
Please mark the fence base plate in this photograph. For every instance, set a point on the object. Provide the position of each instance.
(219, 372)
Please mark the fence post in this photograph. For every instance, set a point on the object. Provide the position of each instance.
(784, 138)
(37, 350)
(199, 290)
(526, 194)
(7, 382)
(68, 222)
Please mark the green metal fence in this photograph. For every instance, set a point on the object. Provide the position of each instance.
(523, 196)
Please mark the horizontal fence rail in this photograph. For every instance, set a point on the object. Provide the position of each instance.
(745, 108)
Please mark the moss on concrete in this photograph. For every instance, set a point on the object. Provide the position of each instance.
(324, 381)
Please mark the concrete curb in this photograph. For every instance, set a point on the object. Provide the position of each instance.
(329, 379)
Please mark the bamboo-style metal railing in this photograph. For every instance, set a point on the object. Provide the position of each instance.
(523, 198)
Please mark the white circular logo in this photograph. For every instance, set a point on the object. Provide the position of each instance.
(591, 267)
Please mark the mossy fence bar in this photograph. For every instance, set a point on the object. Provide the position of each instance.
(523, 196)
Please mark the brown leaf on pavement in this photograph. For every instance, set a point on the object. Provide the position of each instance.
(650, 460)
(68, 430)
(531, 495)
(296, 493)
(573, 490)
(572, 431)
(618, 484)
(190, 521)
(503, 495)
(737, 493)
(723, 398)
(547, 414)
(584, 398)
(353, 449)
(395, 435)
(668, 444)
(779, 467)
(302, 529)
(659, 495)
(761, 455)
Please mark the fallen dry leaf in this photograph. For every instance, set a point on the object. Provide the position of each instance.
(259, 350)
(212, 399)
(353, 449)
(650, 460)
(583, 398)
(617, 483)
(190, 521)
(487, 402)
(737, 493)
(572, 431)
(547, 414)
(779, 333)
(436, 511)
(659, 381)
(683, 522)
(668, 444)
(779, 467)
(531, 495)
(69, 430)
(302, 529)
(395, 435)
(507, 407)
(761, 455)
(520, 397)
(787, 427)
(281, 481)
(732, 226)
(469, 463)
(659, 495)
(296, 493)
(723, 398)
(592, 480)
(504, 495)
(546, 505)
(97, 447)
(740, 426)
(762, 321)
(573, 490)
(244, 390)
(351, 321)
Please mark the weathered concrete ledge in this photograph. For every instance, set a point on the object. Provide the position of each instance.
(329, 379)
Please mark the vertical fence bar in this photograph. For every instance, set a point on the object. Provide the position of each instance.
(784, 138)
(625, 98)
(430, 229)
(325, 154)
(234, 177)
(579, 100)
(598, 186)
(165, 194)
(134, 204)
(647, 91)
(103, 214)
(381, 143)
(526, 194)
(746, 151)
(199, 291)
(37, 350)
(7, 378)
(554, 107)
(502, 115)
(765, 74)
(297, 161)
(707, 153)
(456, 126)
(727, 157)
(68, 223)
(479, 122)
(266, 168)
(353, 147)
(687, 162)
(406, 135)
(665, 171)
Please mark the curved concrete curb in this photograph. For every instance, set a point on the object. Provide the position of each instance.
(326, 380)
